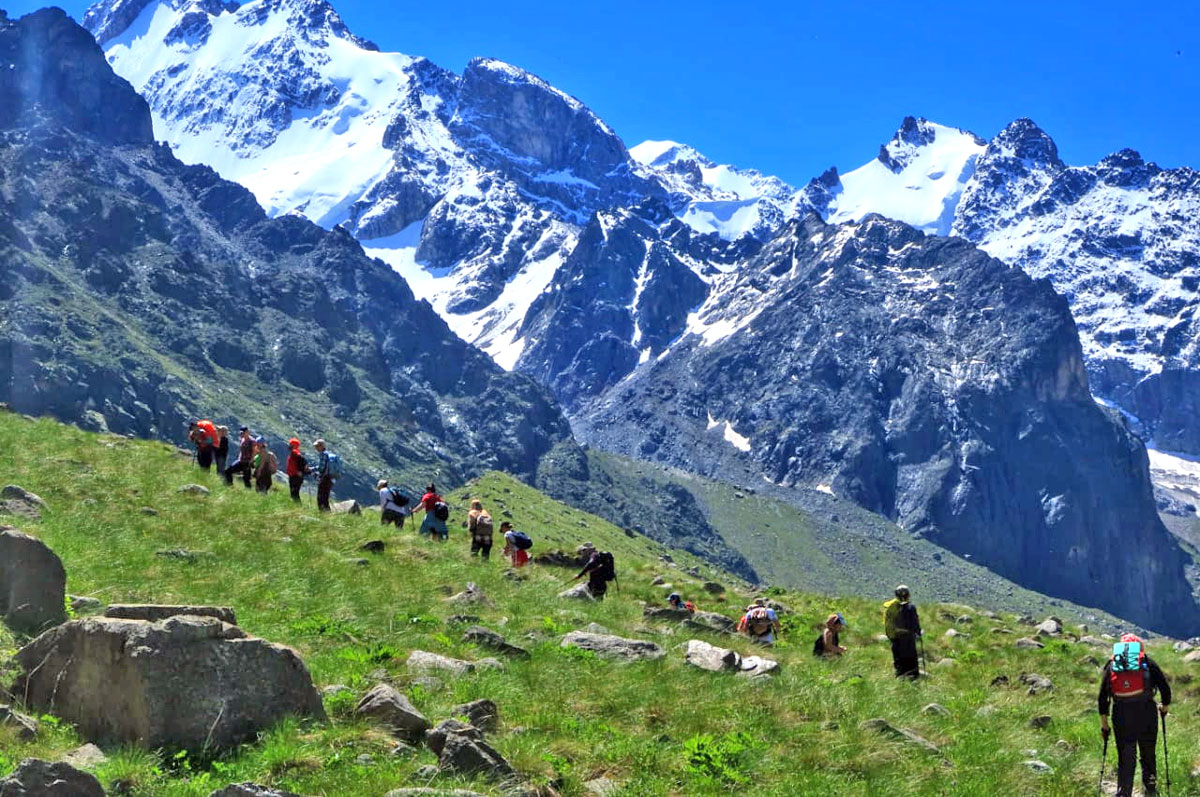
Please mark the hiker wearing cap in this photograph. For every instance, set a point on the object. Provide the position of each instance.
(676, 601)
(329, 470)
(297, 468)
(437, 512)
(827, 643)
(903, 627)
(221, 452)
(517, 555)
(479, 527)
(244, 463)
(760, 623)
(1127, 686)
(392, 504)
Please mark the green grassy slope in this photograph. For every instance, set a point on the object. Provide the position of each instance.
(656, 728)
(833, 547)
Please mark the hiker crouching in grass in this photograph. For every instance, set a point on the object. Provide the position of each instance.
(760, 623)
(1128, 685)
(827, 643)
(479, 527)
(903, 627)
(516, 545)
(600, 569)
(676, 602)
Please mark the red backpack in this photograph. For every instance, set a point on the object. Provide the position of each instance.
(1128, 671)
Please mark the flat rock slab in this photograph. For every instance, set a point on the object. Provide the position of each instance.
(613, 647)
(757, 667)
(424, 661)
(37, 778)
(1025, 643)
(388, 706)
(154, 612)
(186, 682)
(578, 592)
(710, 621)
(194, 489)
(33, 583)
(88, 756)
(350, 507)
(250, 790)
(885, 728)
(487, 638)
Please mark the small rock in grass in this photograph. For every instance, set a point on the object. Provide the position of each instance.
(885, 728)
(483, 714)
(1037, 683)
(388, 706)
(601, 787)
(936, 709)
(373, 546)
(952, 633)
(27, 727)
(1041, 721)
(1025, 643)
(194, 489)
(1000, 680)
(1039, 767)
(250, 790)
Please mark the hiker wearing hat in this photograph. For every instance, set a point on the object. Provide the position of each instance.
(437, 512)
(392, 504)
(760, 623)
(297, 468)
(676, 601)
(903, 627)
(827, 643)
(1128, 685)
(244, 463)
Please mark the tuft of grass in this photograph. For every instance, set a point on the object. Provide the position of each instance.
(568, 717)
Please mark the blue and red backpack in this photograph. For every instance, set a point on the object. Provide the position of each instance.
(1130, 672)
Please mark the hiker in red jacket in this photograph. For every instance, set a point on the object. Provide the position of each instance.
(437, 512)
(297, 468)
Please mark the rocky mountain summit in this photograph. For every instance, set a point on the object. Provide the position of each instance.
(923, 380)
(138, 292)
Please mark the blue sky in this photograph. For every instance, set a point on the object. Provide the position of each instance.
(794, 87)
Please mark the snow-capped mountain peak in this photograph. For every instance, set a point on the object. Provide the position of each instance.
(917, 178)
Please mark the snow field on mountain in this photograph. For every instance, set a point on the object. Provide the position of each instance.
(923, 194)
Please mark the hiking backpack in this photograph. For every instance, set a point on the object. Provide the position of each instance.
(521, 541)
(758, 621)
(272, 463)
(1129, 671)
(333, 465)
(441, 511)
(398, 497)
(483, 526)
(606, 567)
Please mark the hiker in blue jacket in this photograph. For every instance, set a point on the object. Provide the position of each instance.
(325, 476)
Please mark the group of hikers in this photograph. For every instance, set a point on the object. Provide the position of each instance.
(1128, 685)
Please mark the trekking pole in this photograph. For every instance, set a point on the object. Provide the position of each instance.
(924, 661)
(1103, 764)
(1166, 753)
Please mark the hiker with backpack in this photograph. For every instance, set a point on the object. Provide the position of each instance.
(244, 463)
(329, 470)
(903, 627)
(221, 452)
(600, 569)
(393, 504)
(760, 623)
(204, 436)
(265, 466)
(296, 468)
(479, 526)
(676, 601)
(437, 512)
(1127, 686)
(827, 643)
(516, 545)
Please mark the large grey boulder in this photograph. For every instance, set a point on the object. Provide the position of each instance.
(426, 662)
(27, 727)
(712, 658)
(190, 683)
(465, 754)
(613, 647)
(16, 500)
(578, 592)
(710, 621)
(37, 778)
(33, 583)
(387, 705)
(153, 612)
(350, 507)
(1051, 626)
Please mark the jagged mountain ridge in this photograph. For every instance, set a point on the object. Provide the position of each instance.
(925, 381)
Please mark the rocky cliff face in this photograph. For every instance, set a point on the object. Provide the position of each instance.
(138, 292)
(926, 381)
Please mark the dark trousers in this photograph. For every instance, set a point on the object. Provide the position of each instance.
(324, 488)
(391, 516)
(220, 458)
(243, 468)
(904, 656)
(294, 485)
(204, 457)
(263, 481)
(481, 547)
(598, 589)
(1135, 726)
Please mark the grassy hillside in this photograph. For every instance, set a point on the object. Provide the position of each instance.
(655, 728)
(804, 539)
